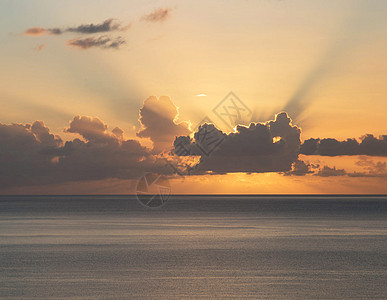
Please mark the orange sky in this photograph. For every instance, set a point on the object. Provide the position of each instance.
(329, 56)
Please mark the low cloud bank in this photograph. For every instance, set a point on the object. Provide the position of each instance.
(369, 145)
(31, 155)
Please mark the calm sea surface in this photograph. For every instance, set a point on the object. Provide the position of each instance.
(195, 247)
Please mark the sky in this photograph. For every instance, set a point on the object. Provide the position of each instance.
(95, 94)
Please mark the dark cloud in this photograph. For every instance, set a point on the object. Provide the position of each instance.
(91, 129)
(104, 42)
(372, 169)
(23, 153)
(43, 135)
(31, 155)
(56, 31)
(108, 25)
(326, 171)
(261, 147)
(158, 117)
(118, 133)
(301, 168)
(365, 174)
(102, 154)
(159, 15)
(369, 145)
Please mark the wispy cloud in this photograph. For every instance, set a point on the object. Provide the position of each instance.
(104, 42)
(35, 31)
(108, 25)
(40, 47)
(159, 15)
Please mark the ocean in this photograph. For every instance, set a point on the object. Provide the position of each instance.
(194, 247)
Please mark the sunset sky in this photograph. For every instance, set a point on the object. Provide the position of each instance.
(116, 81)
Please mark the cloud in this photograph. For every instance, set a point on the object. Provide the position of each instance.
(158, 117)
(40, 47)
(103, 154)
(326, 171)
(159, 15)
(23, 153)
(35, 31)
(31, 155)
(118, 133)
(301, 168)
(371, 166)
(43, 135)
(91, 129)
(260, 147)
(103, 42)
(376, 170)
(108, 25)
(372, 169)
(369, 145)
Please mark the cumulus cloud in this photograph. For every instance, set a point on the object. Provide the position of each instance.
(91, 129)
(260, 147)
(158, 117)
(104, 42)
(31, 155)
(24, 157)
(369, 145)
(159, 15)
